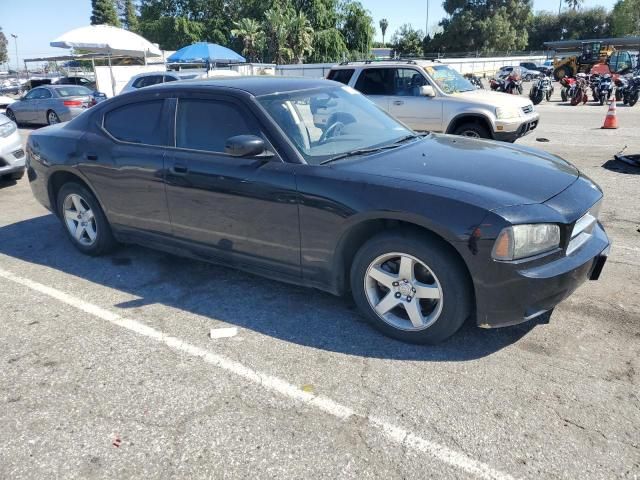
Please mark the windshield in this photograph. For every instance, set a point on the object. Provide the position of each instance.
(328, 122)
(448, 79)
(72, 91)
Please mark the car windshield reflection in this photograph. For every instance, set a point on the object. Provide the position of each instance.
(331, 122)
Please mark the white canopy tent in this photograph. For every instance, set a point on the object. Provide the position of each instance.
(109, 41)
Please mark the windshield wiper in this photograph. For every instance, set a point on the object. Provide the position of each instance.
(366, 151)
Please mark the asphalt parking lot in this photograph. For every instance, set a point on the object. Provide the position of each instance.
(108, 369)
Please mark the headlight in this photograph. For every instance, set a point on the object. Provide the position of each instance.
(7, 129)
(521, 241)
(503, 113)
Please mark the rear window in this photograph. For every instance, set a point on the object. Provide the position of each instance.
(147, 81)
(72, 91)
(137, 123)
(342, 76)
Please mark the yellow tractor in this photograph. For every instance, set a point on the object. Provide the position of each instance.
(593, 53)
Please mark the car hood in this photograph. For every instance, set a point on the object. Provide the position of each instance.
(496, 99)
(493, 174)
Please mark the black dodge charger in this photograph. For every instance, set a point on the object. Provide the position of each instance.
(308, 182)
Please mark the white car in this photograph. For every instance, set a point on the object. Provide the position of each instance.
(147, 79)
(431, 96)
(12, 155)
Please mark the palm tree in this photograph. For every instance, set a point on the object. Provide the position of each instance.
(384, 24)
(574, 4)
(250, 31)
(300, 36)
(275, 26)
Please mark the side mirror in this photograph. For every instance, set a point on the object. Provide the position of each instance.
(427, 91)
(246, 146)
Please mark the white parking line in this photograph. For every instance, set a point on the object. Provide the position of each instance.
(392, 432)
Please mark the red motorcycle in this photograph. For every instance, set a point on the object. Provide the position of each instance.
(511, 83)
(581, 88)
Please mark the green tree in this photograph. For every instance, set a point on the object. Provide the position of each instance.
(250, 32)
(384, 24)
(625, 18)
(484, 26)
(176, 23)
(574, 4)
(130, 16)
(103, 12)
(328, 46)
(300, 36)
(571, 24)
(357, 28)
(4, 55)
(275, 27)
(407, 42)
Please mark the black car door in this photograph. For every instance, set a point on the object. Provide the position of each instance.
(242, 210)
(123, 158)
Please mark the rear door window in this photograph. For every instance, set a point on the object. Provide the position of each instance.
(147, 81)
(376, 81)
(207, 124)
(137, 123)
(342, 76)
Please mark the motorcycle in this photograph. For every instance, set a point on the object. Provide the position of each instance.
(511, 83)
(580, 87)
(622, 83)
(475, 80)
(603, 89)
(542, 88)
(632, 92)
(568, 88)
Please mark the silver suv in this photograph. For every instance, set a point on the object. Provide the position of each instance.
(430, 96)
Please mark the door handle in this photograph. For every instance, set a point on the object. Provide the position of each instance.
(179, 169)
(398, 102)
(91, 156)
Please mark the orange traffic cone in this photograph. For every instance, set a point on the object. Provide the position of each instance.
(611, 120)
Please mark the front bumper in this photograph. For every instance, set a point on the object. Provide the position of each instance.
(510, 131)
(12, 157)
(526, 292)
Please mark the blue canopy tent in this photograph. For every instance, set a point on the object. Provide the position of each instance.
(206, 53)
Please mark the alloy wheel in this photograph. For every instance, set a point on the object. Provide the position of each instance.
(403, 291)
(52, 118)
(80, 220)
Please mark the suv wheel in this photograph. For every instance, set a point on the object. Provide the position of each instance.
(84, 220)
(410, 287)
(472, 129)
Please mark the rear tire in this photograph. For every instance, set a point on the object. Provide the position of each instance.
(633, 99)
(441, 292)
(52, 117)
(83, 220)
(473, 130)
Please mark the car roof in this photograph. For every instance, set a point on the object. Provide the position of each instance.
(254, 85)
(385, 63)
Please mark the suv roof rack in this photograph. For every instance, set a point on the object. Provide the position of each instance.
(409, 61)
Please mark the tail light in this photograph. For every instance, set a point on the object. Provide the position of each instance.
(72, 103)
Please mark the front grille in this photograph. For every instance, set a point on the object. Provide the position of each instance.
(528, 109)
(583, 229)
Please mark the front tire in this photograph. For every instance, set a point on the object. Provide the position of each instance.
(472, 130)
(411, 287)
(83, 220)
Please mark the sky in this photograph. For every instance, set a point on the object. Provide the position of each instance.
(38, 22)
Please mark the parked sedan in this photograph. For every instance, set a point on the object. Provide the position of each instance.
(423, 230)
(51, 104)
(11, 152)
